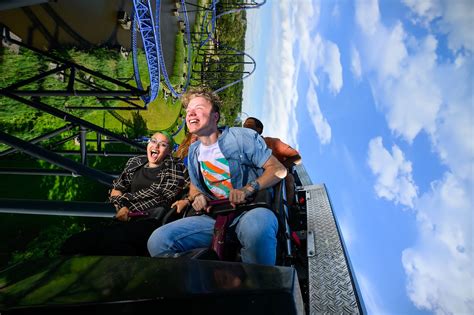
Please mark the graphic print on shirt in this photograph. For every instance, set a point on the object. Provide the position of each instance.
(215, 170)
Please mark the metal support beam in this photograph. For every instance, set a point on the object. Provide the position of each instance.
(71, 118)
(83, 145)
(40, 138)
(63, 141)
(38, 25)
(72, 77)
(66, 64)
(226, 71)
(212, 62)
(99, 141)
(39, 171)
(36, 77)
(55, 159)
(97, 153)
(105, 108)
(64, 93)
(62, 208)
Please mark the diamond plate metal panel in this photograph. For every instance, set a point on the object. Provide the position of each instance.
(331, 288)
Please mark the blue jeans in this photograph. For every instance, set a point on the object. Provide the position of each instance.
(256, 231)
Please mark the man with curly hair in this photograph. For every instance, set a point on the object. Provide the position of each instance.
(232, 163)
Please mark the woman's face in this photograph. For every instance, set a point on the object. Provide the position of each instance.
(157, 149)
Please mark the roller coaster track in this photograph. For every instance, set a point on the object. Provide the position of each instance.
(148, 24)
(160, 49)
(149, 27)
(143, 19)
(212, 22)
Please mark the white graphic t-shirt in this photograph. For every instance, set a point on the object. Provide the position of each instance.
(215, 170)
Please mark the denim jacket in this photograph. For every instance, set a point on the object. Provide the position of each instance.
(244, 149)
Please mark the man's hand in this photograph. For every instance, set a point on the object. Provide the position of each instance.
(200, 203)
(179, 205)
(122, 214)
(239, 196)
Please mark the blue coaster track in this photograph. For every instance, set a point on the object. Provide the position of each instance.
(143, 19)
(148, 24)
(149, 27)
(160, 49)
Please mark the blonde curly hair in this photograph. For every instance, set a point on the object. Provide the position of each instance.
(205, 92)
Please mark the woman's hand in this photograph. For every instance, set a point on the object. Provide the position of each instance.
(122, 214)
(179, 205)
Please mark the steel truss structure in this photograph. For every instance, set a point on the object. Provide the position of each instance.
(85, 85)
(75, 87)
(74, 122)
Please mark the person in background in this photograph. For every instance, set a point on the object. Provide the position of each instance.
(288, 156)
(141, 195)
(232, 163)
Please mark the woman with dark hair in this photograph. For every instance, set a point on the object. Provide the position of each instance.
(142, 196)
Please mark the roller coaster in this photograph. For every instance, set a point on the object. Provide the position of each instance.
(313, 274)
(82, 81)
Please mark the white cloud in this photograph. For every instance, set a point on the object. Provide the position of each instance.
(324, 59)
(332, 65)
(439, 266)
(294, 23)
(385, 52)
(323, 130)
(424, 11)
(295, 48)
(252, 39)
(281, 96)
(392, 52)
(413, 100)
(356, 67)
(394, 179)
(420, 90)
(454, 18)
(367, 15)
(336, 11)
(320, 57)
(454, 130)
(458, 23)
(306, 15)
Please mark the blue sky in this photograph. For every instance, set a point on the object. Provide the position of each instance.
(378, 99)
